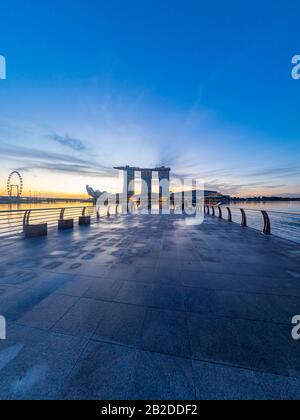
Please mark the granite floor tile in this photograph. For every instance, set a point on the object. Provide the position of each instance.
(161, 377)
(104, 372)
(103, 289)
(166, 332)
(122, 324)
(135, 293)
(34, 364)
(83, 318)
(48, 312)
(253, 345)
(167, 297)
(216, 382)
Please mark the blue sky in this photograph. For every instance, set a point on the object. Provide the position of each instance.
(204, 87)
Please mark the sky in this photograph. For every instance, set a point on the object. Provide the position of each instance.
(203, 87)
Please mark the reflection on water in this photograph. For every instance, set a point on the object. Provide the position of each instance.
(27, 206)
(284, 217)
(12, 215)
(284, 225)
(288, 206)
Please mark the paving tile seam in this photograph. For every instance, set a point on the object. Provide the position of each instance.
(141, 349)
(72, 306)
(184, 270)
(243, 292)
(192, 359)
(72, 369)
(204, 315)
(252, 229)
(272, 292)
(133, 372)
(245, 368)
(193, 370)
(101, 340)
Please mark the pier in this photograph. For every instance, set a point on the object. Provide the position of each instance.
(148, 307)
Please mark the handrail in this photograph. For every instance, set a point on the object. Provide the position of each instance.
(267, 223)
(266, 229)
(229, 214)
(244, 218)
(43, 209)
(269, 211)
(62, 214)
(14, 222)
(220, 212)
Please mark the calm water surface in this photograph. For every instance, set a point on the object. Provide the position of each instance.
(288, 206)
(284, 225)
(41, 206)
(284, 217)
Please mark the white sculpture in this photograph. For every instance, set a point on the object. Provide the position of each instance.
(94, 194)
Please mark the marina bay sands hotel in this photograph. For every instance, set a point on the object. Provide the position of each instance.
(146, 175)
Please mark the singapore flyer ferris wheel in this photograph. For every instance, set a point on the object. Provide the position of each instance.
(15, 184)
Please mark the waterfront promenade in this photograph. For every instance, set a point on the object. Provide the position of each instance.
(140, 307)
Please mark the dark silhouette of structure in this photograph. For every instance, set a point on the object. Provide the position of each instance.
(146, 175)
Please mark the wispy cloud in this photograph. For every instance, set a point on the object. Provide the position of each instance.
(197, 146)
(238, 188)
(93, 171)
(32, 159)
(276, 172)
(67, 141)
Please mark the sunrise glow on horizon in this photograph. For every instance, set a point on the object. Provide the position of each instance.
(102, 91)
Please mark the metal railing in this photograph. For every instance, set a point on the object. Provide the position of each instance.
(282, 224)
(12, 222)
(279, 223)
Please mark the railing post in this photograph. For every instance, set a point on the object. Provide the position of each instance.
(229, 215)
(83, 211)
(220, 213)
(62, 214)
(26, 219)
(267, 223)
(117, 203)
(213, 211)
(244, 218)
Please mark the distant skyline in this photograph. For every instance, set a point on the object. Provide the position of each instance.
(202, 87)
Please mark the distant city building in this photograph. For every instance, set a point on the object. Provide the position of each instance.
(147, 176)
(210, 197)
(215, 196)
(164, 190)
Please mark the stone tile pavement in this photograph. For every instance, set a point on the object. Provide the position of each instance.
(141, 307)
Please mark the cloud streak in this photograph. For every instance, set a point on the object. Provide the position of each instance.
(276, 172)
(55, 162)
(70, 142)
